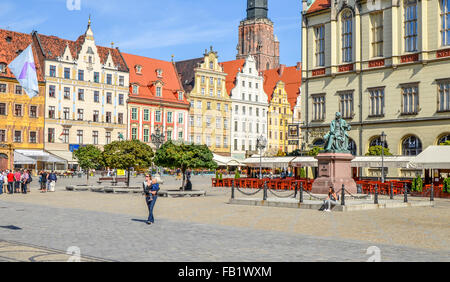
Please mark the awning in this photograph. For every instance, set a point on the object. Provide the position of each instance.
(434, 157)
(41, 156)
(65, 155)
(304, 162)
(225, 161)
(376, 161)
(20, 159)
(272, 162)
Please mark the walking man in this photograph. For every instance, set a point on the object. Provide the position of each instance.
(10, 177)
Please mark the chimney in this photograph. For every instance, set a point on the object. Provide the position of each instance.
(281, 69)
(299, 66)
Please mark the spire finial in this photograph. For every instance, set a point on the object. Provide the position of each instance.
(89, 22)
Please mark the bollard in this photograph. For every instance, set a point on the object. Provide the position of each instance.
(392, 191)
(232, 190)
(301, 192)
(343, 195)
(375, 201)
(405, 192)
(432, 193)
(295, 188)
(265, 191)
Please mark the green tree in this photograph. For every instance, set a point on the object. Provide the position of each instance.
(446, 143)
(281, 153)
(295, 153)
(126, 155)
(376, 151)
(88, 157)
(446, 185)
(302, 172)
(417, 184)
(184, 156)
(314, 151)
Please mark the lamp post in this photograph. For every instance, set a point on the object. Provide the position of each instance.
(261, 143)
(383, 141)
(158, 139)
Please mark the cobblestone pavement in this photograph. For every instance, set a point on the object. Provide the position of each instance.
(110, 226)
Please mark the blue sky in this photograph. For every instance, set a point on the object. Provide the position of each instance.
(155, 28)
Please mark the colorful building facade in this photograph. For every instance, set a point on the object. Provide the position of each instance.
(157, 100)
(21, 117)
(203, 80)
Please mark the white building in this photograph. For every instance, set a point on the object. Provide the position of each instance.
(249, 106)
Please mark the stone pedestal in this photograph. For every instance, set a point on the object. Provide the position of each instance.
(334, 170)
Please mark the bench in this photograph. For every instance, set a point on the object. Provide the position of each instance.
(117, 180)
(103, 179)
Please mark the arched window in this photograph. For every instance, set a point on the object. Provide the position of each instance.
(377, 142)
(347, 36)
(319, 143)
(443, 139)
(352, 147)
(411, 146)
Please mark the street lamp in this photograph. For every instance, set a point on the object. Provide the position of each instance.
(261, 143)
(158, 139)
(383, 141)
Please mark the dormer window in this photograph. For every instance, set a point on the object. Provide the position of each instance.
(158, 91)
(211, 65)
(138, 69)
(180, 96)
(2, 68)
(8, 39)
(135, 89)
(159, 73)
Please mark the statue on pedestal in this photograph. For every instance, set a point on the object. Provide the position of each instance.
(336, 140)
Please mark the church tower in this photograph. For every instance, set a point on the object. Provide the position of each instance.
(256, 37)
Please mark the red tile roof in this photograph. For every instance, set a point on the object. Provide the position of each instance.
(231, 68)
(148, 76)
(10, 44)
(292, 78)
(319, 5)
(54, 47)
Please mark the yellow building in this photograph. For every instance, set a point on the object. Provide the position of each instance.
(21, 118)
(385, 65)
(283, 88)
(203, 80)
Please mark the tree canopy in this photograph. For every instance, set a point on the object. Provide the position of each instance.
(314, 151)
(184, 156)
(446, 143)
(127, 154)
(376, 151)
(88, 157)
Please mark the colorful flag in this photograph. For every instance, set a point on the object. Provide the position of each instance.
(309, 3)
(24, 69)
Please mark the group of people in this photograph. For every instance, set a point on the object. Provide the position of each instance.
(15, 181)
(47, 181)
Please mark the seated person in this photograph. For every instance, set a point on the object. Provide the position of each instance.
(330, 200)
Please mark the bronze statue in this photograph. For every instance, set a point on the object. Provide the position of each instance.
(336, 140)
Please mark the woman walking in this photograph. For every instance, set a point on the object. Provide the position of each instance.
(150, 189)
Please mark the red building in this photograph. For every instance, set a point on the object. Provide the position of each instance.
(156, 100)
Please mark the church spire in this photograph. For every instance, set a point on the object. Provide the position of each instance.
(257, 9)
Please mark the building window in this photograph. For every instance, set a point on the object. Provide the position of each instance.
(134, 135)
(208, 105)
(158, 116)
(18, 90)
(67, 73)
(108, 117)
(95, 137)
(146, 115)
(320, 45)
(199, 121)
(411, 146)
(80, 114)
(180, 118)
(80, 137)
(377, 34)
(243, 145)
(347, 40)
(33, 111)
(319, 107)
(443, 139)
(346, 104)
(146, 135)
(17, 136)
(235, 144)
(376, 102)
(121, 80)
(134, 114)
(218, 122)
(169, 135)
(121, 99)
(66, 113)
(120, 118)
(208, 121)
(169, 117)
(96, 96)
(80, 75)
(135, 89)
(33, 137)
(211, 92)
(3, 111)
(108, 137)
(410, 99)
(96, 77)
(52, 71)
(158, 91)
(65, 136)
(411, 26)
(51, 111)
(52, 91)
(445, 22)
(2, 88)
(211, 65)
(235, 126)
(225, 124)
(51, 135)
(108, 98)
(444, 96)
(67, 93)
(80, 94)
(109, 79)
(18, 110)
(180, 96)
(96, 115)
(191, 120)
(218, 142)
